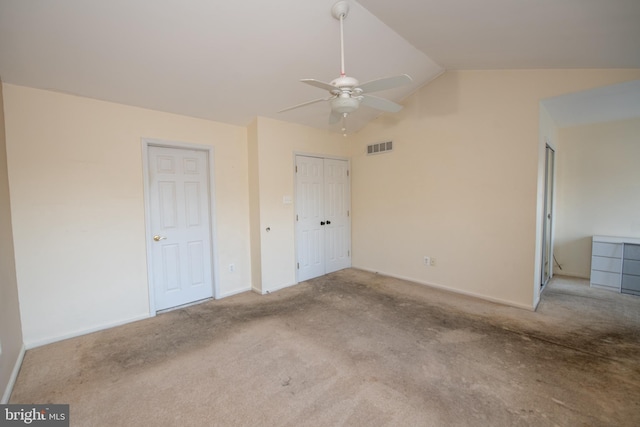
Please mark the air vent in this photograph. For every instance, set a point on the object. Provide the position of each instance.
(379, 148)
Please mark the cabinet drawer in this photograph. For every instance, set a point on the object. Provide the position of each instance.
(631, 283)
(613, 265)
(603, 278)
(613, 250)
(631, 251)
(631, 266)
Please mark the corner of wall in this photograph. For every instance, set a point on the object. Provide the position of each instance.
(547, 134)
(254, 206)
(12, 344)
(14, 376)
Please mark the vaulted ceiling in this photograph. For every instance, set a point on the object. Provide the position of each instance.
(230, 61)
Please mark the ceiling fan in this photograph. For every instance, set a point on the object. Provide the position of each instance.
(346, 93)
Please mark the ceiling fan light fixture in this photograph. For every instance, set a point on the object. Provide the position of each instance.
(344, 105)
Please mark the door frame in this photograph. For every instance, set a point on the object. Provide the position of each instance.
(548, 213)
(146, 143)
(295, 203)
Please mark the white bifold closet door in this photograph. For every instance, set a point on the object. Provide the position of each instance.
(323, 227)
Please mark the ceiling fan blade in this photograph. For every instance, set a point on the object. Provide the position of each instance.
(334, 117)
(380, 104)
(318, 83)
(385, 83)
(304, 104)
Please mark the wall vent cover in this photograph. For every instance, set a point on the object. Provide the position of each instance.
(379, 148)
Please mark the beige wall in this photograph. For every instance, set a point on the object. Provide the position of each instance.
(598, 189)
(462, 184)
(11, 347)
(277, 142)
(76, 181)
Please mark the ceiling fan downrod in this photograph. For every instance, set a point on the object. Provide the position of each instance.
(340, 10)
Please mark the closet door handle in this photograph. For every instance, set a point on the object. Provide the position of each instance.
(321, 222)
(328, 222)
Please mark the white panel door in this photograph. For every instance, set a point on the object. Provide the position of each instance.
(179, 215)
(336, 212)
(310, 216)
(323, 229)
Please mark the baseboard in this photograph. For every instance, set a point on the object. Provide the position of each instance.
(14, 376)
(39, 343)
(571, 274)
(453, 290)
(239, 291)
(269, 291)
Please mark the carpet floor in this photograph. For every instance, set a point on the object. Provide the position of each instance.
(354, 348)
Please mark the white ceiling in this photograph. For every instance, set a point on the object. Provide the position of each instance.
(508, 34)
(230, 61)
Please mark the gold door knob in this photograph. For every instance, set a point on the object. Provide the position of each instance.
(157, 238)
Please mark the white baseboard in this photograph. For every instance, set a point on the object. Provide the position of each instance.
(571, 274)
(38, 343)
(454, 290)
(268, 291)
(236, 292)
(14, 376)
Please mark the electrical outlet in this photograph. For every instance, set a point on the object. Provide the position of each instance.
(427, 260)
(433, 262)
(232, 268)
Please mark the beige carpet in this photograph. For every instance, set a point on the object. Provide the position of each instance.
(354, 348)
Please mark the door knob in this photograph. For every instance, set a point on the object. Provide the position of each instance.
(157, 238)
(321, 222)
(328, 222)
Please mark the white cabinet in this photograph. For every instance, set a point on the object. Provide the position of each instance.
(615, 264)
(606, 264)
(631, 269)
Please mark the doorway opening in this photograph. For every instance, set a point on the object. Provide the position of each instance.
(547, 228)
